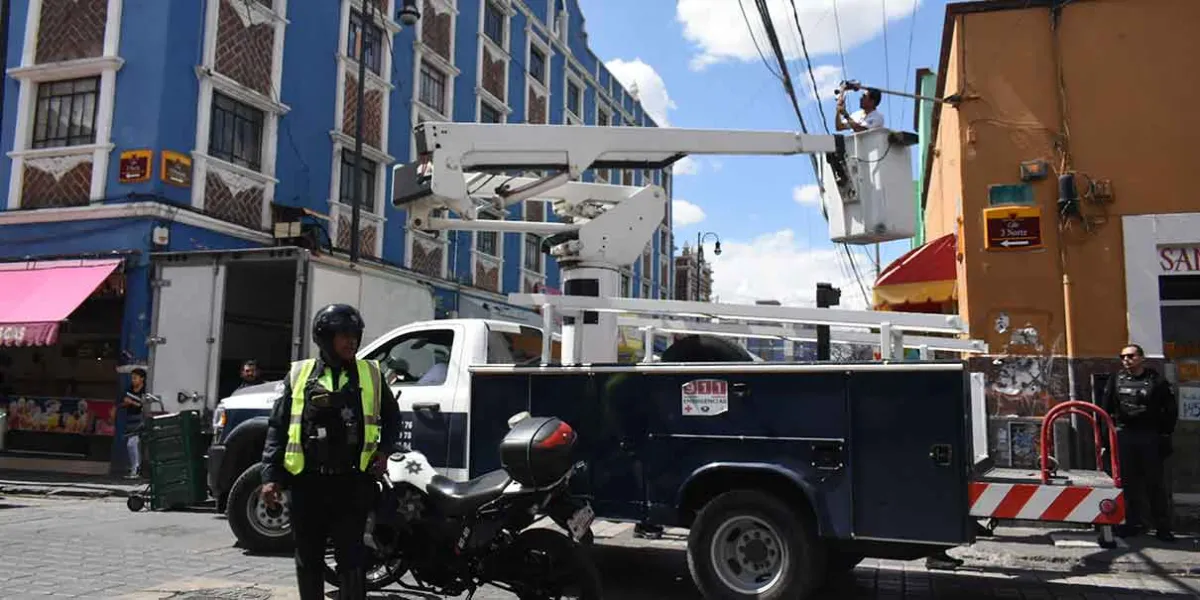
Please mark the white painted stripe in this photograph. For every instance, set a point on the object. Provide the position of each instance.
(990, 499)
(1089, 509)
(1039, 501)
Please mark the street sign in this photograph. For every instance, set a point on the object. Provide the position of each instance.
(1013, 227)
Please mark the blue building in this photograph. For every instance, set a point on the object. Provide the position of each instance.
(140, 126)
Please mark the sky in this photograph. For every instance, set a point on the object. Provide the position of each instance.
(696, 66)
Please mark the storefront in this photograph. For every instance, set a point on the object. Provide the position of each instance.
(1162, 289)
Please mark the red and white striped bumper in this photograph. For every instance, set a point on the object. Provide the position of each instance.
(1035, 502)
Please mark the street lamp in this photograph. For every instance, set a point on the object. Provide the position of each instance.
(408, 15)
(700, 237)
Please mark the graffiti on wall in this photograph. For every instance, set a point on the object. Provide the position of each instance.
(1022, 374)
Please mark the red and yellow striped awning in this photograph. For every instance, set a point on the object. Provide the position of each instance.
(922, 280)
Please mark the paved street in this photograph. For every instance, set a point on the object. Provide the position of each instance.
(95, 548)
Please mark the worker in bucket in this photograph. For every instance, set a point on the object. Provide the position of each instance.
(1143, 408)
(329, 434)
(866, 117)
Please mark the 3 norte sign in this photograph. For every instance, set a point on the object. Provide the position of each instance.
(1013, 227)
(705, 398)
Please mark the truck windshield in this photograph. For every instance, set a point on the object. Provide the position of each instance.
(524, 348)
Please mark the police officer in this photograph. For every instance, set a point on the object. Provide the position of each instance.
(329, 431)
(1143, 408)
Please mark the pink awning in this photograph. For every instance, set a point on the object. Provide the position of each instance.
(36, 296)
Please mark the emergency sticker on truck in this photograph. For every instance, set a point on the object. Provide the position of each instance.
(705, 398)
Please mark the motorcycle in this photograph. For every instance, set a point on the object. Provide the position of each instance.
(455, 537)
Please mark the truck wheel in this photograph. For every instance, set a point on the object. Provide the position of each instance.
(257, 527)
(749, 544)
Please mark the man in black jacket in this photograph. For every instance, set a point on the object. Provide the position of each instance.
(330, 430)
(1142, 404)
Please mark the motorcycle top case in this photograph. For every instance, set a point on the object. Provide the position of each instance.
(537, 451)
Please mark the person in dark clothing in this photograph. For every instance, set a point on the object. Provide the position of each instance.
(1142, 405)
(249, 374)
(131, 404)
(325, 442)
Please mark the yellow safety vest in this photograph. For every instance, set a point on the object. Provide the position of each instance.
(369, 380)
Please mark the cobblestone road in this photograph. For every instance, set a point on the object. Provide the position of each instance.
(98, 549)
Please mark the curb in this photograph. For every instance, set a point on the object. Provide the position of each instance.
(1077, 565)
(61, 491)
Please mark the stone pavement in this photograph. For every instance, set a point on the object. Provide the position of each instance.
(96, 548)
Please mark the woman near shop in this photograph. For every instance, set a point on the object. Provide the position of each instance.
(132, 405)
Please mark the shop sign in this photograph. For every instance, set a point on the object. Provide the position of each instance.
(1179, 259)
(1013, 227)
(29, 334)
(61, 415)
(176, 168)
(1189, 403)
(135, 166)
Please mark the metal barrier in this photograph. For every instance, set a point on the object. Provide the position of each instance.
(1088, 410)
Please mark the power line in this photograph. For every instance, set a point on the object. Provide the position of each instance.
(912, 27)
(750, 30)
(887, 60)
(837, 25)
(808, 63)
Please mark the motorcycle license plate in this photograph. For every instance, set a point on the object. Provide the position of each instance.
(581, 522)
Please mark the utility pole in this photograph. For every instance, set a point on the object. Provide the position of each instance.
(368, 19)
(827, 296)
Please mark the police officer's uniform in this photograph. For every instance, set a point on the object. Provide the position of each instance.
(325, 430)
(1144, 411)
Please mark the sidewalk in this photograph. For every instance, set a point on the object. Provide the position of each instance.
(38, 483)
(1075, 551)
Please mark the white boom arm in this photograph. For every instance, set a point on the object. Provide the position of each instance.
(463, 167)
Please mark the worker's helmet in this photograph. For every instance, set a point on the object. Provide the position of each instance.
(334, 319)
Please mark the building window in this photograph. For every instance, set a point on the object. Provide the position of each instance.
(603, 118)
(533, 252)
(487, 242)
(646, 264)
(537, 63)
(367, 44)
(645, 287)
(66, 113)
(493, 23)
(347, 182)
(626, 177)
(664, 243)
(626, 281)
(574, 98)
(237, 131)
(433, 88)
(488, 113)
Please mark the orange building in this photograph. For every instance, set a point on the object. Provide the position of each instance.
(1101, 92)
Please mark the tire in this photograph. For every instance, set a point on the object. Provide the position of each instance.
(379, 576)
(256, 528)
(793, 559)
(544, 560)
(135, 503)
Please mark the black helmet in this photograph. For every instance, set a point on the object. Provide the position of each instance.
(334, 319)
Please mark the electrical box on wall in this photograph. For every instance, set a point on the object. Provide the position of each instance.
(869, 197)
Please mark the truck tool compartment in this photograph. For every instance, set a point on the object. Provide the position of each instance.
(871, 449)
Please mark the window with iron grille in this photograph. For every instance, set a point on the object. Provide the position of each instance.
(66, 113)
(236, 134)
(365, 44)
(488, 113)
(626, 177)
(487, 242)
(602, 119)
(574, 98)
(533, 252)
(646, 262)
(433, 88)
(645, 288)
(626, 281)
(537, 63)
(347, 182)
(493, 23)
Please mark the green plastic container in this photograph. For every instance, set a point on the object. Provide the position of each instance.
(175, 455)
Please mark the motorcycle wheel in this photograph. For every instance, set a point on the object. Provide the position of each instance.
(549, 565)
(380, 573)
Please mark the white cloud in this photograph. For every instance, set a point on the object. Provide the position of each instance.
(776, 266)
(684, 213)
(828, 77)
(651, 89)
(686, 166)
(807, 195)
(718, 30)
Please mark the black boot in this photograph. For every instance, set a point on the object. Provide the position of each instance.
(353, 584)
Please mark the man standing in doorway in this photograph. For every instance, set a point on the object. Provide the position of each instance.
(1143, 408)
(868, 115)
(250, 374)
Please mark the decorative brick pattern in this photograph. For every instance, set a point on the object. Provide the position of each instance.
(537, 107)
(435, 29)
(71, 29)
(373, 124)
(47, 186)
(535, 210)
(242, 206)
(493, 74)
(427, 257)
(487, 276)
(366, 238)
(245, 49)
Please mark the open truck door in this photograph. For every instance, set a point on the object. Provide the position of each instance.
(185, 343)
